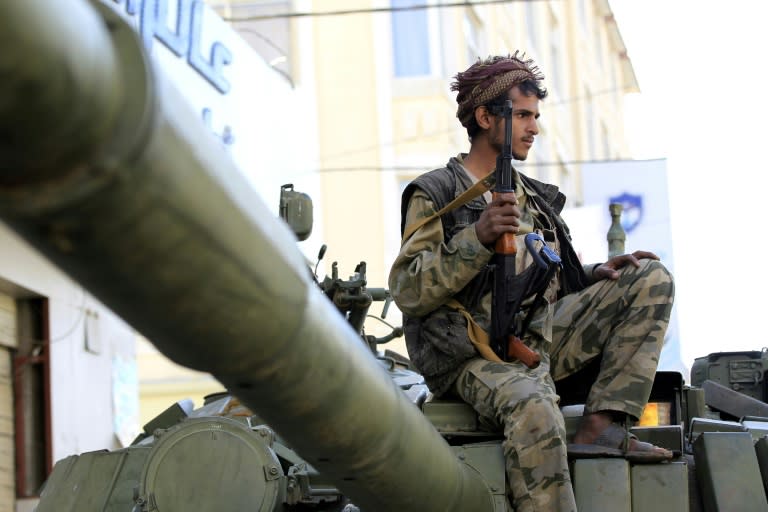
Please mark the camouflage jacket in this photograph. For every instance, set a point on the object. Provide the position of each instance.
(444, 259)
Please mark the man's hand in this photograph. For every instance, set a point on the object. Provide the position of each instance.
(609, 269)
(502, 215)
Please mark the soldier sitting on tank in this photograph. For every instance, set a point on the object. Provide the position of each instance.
(613, 313)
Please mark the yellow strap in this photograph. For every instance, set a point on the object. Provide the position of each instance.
(479, 188)
(477, 334)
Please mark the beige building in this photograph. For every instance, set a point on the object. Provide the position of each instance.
(381, 70)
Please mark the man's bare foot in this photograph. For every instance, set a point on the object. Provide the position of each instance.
(591, 426)
(597, 430)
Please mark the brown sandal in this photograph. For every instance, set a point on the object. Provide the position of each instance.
(614, 441)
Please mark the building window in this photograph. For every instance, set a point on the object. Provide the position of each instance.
(410, 40)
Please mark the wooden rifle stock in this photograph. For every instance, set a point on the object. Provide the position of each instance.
(519, 350)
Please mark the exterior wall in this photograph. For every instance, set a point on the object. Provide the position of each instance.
(350, 134)
(376, 132)
(82, 387)
(81, 379)
(93, 376)
(271, 111)
(163, 382)
(7, 451)
(384, 147)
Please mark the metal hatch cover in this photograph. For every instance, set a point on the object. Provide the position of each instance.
(210, 464)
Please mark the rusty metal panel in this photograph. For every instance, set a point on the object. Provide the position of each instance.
(602, 484)
(660, 487)
(727, 472)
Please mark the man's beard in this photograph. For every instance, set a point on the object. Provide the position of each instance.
(517, 156)
(499, 147)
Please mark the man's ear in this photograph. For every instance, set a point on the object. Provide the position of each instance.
(483, 117)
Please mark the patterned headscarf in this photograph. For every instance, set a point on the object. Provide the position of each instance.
(486, 79)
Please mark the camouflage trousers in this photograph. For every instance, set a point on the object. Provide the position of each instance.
(622, 321)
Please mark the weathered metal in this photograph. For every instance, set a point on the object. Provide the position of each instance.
(107, 172)
(117, 182)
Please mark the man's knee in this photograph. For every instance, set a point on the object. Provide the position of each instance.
(651, 275)
(536, 417)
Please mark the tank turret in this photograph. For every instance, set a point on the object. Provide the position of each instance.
(107, 172)
(110, 175)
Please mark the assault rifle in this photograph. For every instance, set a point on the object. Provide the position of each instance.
(504, 308)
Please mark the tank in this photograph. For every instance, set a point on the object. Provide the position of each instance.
(123, 188)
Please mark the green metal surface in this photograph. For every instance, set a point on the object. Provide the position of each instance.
(488, 460)
(732, 402)
(667, 436)
(660, 487)
(761, 451)
(694, 404)
(758, 427)
(218, 284)
(616, 235)
(451, 415)
(96, 482)
(65, 53)
(728, 472)
(211, 464)
(101, 157)
(602, 485)
(699, 426)
(740, 371)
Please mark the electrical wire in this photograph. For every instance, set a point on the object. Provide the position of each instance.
(415, 168)
(446, 131)
(370, 10)
(272, 45)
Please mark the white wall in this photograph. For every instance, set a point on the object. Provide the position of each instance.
(271, 121)
(273, 142)
(81, 382)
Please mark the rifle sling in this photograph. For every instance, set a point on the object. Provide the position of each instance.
(477, 335)
(482, 186)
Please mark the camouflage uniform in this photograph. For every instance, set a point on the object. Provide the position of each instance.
(623, 321)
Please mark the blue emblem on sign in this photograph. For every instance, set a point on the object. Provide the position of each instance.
(632, 212)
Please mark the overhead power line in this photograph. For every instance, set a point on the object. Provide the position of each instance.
(448, 130)
(416, 168)
(370, 10)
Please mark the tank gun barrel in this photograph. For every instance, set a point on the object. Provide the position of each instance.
(111, 176)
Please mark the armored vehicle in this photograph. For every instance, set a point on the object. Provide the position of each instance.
(315, 416)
